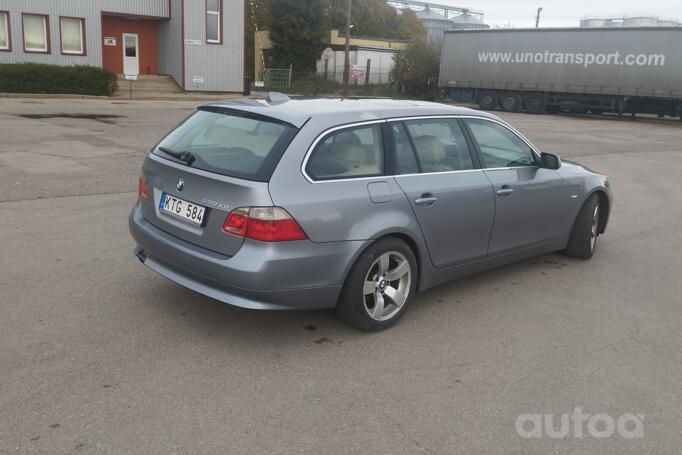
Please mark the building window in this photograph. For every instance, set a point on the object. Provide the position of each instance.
(36, 33)
(72, 31)
(5, 39)
(214, 21)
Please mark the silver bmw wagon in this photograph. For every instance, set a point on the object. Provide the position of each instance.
(353, 204)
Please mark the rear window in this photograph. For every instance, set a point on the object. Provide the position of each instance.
(230, 143)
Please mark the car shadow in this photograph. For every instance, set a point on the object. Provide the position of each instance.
(199, 316)
(203, 315)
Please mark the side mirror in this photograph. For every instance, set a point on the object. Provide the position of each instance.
(550, 161)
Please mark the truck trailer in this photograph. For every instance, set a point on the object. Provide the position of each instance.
(623, 70)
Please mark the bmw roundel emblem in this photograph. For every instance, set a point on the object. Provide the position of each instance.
(180, 185)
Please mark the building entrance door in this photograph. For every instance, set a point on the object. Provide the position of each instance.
(131, 53)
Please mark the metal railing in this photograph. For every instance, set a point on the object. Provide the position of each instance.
(277, 77)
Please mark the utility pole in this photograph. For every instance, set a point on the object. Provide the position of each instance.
(346, 62)
(537, 18)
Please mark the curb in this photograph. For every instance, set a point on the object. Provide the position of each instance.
(178, 97)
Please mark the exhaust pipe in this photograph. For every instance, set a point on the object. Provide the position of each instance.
(141, 255)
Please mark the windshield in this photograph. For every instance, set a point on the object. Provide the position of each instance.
(229, 143)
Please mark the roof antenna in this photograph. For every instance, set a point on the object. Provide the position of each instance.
(276, 98)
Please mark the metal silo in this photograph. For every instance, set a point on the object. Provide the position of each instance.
(594, 23)
(434, 23)
(640, 22)
(669, 24)
(466, 21)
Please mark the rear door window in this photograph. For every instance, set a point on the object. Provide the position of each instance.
(405, 158)
(230, 143)
(440, 145)
(348, 153)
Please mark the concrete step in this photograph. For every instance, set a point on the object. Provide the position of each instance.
(146, 86)
(126, 92)
(146, 94)
(149, 85)
(146, 77)
(149, 82)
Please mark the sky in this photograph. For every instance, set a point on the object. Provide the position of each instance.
(566, 13)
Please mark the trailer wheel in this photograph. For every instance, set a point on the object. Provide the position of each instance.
(534, 103)
(487, 99)
(510, 101)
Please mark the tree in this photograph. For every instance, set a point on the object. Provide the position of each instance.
(375, 18)
(298, 27)
(257, 17)
(417, 67)
(410, 25)
(297, 31)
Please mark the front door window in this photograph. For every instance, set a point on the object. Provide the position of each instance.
(131, 51)
(499, 146)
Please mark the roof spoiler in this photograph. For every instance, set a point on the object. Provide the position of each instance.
(268, 107)
(275, 98)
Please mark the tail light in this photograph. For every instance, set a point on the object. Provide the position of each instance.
(268, 224)
(143, 188)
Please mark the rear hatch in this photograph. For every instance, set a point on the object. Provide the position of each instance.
(214, 162)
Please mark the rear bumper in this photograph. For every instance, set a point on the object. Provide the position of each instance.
(267, 276)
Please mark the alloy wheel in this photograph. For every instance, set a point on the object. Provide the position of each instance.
(387, 286)
(595, 228)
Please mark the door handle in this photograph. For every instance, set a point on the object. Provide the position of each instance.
(505, 191)
(426, 199)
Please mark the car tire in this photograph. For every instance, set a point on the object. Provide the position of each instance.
(534, 103)
(511, 102)
(488, 100)
(583, 239)
(370, 300)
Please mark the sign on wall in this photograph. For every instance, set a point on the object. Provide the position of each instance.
(110, 41)
(193, 42)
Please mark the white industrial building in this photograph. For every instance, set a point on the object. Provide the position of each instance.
(639, 21)
(380, 63)
(197, 43)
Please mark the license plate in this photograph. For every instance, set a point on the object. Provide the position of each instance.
(182, 209)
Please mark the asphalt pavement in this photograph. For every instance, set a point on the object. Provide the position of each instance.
(99, 355)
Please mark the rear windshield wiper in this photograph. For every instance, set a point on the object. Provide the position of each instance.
(187, 157)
